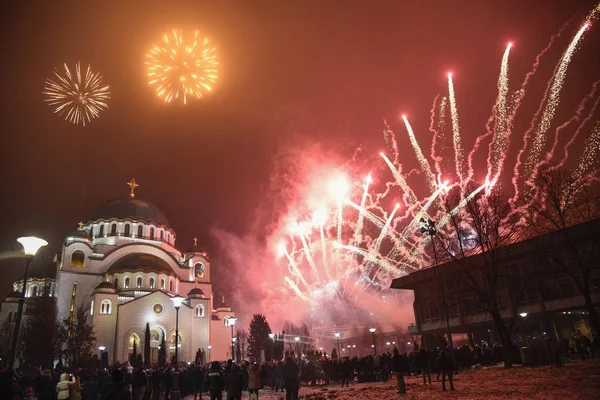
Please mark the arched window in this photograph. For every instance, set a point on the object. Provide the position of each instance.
(77, 258)
(92, 231)
(116, 283)
(105, 306)
(151, 283)
(140, 231)
(199, 311)
(113, 230)
(34, 291)
(138, 282)
(101, 232)
(199, 270)
(127, 230)
(162, 284)
(126, 283)
(170, 286)
(151, 233)
(162, 234)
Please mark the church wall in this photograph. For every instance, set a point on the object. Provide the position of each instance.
(132, 317)
(8, 307)
(144, 249)
(200, 326)
(220, 337)
(105, 324)
(86, 284)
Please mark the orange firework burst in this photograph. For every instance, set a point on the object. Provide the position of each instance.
(79, 96)
(182, 66)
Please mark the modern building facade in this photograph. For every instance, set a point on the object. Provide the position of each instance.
(534, 290)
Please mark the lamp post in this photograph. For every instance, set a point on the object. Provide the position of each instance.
(272, 337)
(177, 300)
(372, 330)
(231, 323)
(427, 227)
(209, 347)
(31, 245)
(337, 336)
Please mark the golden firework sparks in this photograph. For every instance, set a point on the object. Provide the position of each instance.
(182, 66)
(79, 97)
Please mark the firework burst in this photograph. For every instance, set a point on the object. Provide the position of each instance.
(182, 66)
(79, 97)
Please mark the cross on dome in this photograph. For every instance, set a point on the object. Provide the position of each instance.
(132, 184)
(195, 242)
(80, 223)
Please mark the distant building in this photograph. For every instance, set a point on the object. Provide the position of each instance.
(122, 266)
(550, 293)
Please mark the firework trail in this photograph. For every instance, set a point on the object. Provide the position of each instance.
(79, 97)
(589, 156)
(500, 141)
(422, 160)
(411, 198)
(437, 127)
(458, 151)
(539, 136)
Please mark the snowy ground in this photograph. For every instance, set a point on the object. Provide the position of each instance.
(575, 381)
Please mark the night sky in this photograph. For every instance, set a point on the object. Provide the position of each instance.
(291, 73)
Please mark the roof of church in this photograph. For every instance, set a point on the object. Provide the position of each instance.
(130, 208)
(105, 285)
(196, 291)
(14, 295)
(141, 262)
(79, 233)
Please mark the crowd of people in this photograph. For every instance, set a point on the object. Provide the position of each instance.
(233, 378)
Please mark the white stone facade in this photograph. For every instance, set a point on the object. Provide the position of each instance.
(124, 269)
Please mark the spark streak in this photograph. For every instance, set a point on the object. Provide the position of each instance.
(458, 150)
(422, 160)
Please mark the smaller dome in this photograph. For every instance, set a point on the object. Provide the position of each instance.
(195, 292)
(79, 234)
(13, 295)
(105, 285)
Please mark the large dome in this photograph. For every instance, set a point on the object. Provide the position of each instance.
(130, 209)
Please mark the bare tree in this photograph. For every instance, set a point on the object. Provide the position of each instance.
(476, 240)
(561, 202)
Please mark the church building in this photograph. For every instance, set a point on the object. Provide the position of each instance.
(123, 267)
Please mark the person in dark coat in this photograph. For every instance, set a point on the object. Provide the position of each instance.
(423, 365)
(44, 387)
(116, 389)
(445, 365)
(399, 367)
(290, 374)
(235, 383)
(168, 380)
(139, 383)
(215, 381)
(197, 374)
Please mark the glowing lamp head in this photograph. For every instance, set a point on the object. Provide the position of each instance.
(372, 330)
(523, 314)
(101, 348)
(177, 300)
(231, 321)
(271, 335)
(337, 334)
(31, 244)
(297, 338)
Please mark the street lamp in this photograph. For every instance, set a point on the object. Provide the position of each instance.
(177, 300)
(523, 314)
(31, 245)
(272, 337)
(372, 330)
(427, 227)
(337, 335)
(231, 323)
(209, 347)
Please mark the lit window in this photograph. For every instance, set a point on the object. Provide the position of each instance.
(127, 230)
(199, 270)
(163, 284)
(199, 311)
(138, 282)
(151, 283)
(170, 286)
(105, 306)
(34, 291)
(92, 308)
(126, 283)
(77, 259)
(113, 230)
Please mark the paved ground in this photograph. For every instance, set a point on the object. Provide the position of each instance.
(579, 380)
